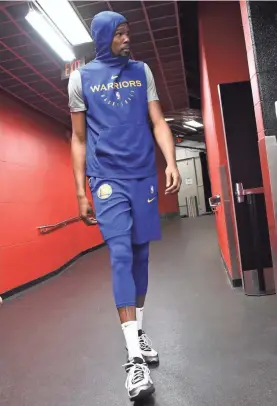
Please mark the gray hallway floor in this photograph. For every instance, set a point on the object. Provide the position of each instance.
(61, 342)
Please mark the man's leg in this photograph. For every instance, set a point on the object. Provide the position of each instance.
(113, 213)
(146, 228)
(124, 289)
(138, 383)
(140, 272)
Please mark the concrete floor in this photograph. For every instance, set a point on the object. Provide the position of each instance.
(61, 343)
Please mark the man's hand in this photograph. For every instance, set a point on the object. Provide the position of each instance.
(173, 180)
(165, 141)
(85, 211)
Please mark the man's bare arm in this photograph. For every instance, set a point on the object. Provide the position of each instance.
(164, 138)
(78, 153)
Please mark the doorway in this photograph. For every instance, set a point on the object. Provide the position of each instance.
(191, 196)
(251, 224)
(206, 180)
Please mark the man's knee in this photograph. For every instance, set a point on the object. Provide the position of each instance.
(121, 256)
(141, 252)
(140, 267)
(120, 248)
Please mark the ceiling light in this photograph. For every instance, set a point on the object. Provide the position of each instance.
(189, 128)
(169, 119)
(194, 123)
(67, 21)
(48, 33)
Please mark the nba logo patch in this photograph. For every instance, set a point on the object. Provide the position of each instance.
(104, 191)
(152, 189)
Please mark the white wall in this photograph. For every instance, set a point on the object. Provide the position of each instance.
(189, 165)
(183, 153)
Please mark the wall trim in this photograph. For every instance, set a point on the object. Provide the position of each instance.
(49, 275)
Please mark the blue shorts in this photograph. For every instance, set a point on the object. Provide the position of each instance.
(127, 207)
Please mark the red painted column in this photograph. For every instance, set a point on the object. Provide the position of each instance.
(259, 22)
(222, 60)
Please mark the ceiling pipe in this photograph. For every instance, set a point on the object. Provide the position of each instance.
(33, 90)
(192, 130)
(14, 59)
(157, 54)
(138, 21)
(3, 9)
(187, 147)
(157, 40)
(181, 50)
(28, 75)
(154, 19)
(32, 68)
(134, 9)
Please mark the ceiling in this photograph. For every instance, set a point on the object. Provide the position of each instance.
(31, 72)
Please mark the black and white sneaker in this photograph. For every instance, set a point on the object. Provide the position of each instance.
(149, 354)
(138, 383)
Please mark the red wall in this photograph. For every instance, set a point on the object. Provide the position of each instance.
(37, 188)
(167, 203)
(223, 60)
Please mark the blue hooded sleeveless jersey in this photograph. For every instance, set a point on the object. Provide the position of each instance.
(119, 141)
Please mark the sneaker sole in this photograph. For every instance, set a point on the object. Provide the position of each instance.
(144, 393)
(148, 360)
(151, 360)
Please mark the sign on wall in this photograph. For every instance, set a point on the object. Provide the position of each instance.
(70, 67)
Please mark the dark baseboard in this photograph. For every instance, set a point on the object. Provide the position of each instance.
(43, 278)
(236, 283)
(169, 216)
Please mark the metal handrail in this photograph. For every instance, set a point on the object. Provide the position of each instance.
(51, 227)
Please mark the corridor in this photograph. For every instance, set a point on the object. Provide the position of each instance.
(61, 342)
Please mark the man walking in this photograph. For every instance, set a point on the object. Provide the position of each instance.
(110, 99)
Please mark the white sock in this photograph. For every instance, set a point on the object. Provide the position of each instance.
(130, 331)
(139, 316)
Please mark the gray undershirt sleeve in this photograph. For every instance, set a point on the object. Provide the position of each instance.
(151, 87)
(75, 93)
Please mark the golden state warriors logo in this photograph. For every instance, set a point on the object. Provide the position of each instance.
(111, 94)
(104, 191)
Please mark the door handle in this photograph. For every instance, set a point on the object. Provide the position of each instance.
(240, 192)
(214, 202)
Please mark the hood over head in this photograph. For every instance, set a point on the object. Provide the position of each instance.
(103, 27)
